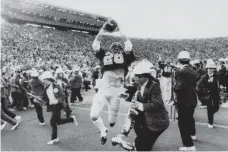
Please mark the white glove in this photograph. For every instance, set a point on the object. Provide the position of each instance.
(137, 105)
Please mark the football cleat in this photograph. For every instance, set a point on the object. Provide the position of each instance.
(117, 140)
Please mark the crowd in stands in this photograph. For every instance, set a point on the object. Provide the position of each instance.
(35, 46)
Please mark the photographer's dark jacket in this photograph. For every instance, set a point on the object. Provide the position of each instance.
(155, 116)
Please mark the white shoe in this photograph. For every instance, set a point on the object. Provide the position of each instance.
(15, 126)
(42, 124)
(31, 106)
(51, 142)
(193, 138)
(193, 148)
(3, 125)
(202, 107)
(18, 118)
(80, 102)
(75, 120)
(24, 108)
(11, 109)
(210, 126)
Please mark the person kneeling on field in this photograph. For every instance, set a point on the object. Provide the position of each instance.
(148, 111)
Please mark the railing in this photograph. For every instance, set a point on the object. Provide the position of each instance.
(41, 20)
(46, 11)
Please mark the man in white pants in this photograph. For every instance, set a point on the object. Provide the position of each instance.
(114, 62)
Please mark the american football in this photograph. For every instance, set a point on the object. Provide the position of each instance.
(111, 26)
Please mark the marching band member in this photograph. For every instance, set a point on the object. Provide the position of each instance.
(7, 115)
(37, 88)
(115, 64)
(209, 86)
(186, 79)
(64, 84)
(76, 84)
(54, 96)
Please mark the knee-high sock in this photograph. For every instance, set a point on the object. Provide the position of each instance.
(100, 124)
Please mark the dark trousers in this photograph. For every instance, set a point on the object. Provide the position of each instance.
(86, 84)
(201, 98)
(39, 112)
(75, 92)
(18, 100)
(7, 118)
(57, 120)
(212, 108)
(146, 138)
(5, 108)
(186, 123)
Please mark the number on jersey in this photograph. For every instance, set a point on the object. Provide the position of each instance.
(110, 58)
(168, 69)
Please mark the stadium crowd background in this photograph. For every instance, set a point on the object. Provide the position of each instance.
(30, 46)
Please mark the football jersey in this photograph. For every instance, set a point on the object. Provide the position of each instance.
(167, 70)
(112, 61)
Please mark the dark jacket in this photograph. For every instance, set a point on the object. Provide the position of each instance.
(222, 76)
(76, 81)
(186, 79)
(95, 74)
(155, 116)
(210, 90)
(37, 87)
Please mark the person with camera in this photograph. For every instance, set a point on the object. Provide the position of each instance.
(37, 89)
(149, 113)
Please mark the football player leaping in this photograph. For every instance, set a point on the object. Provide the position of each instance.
(114, 62)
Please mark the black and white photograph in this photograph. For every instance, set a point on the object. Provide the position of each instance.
(114, 75)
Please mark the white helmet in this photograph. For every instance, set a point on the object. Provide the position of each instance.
(196, 61)
(97, 67)
(59, 70)
(184, 55)
(226, 59)
(192, 62)
(210, 64)
(143, 67)
(34, 73)
(221, 60)
(47, 75)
